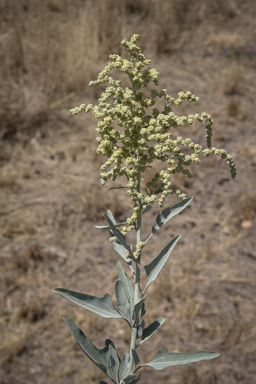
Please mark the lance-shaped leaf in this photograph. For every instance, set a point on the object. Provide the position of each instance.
(117, 188)
(119, 248)
(122, 303)
(137, 310)
(100, 357)
(124, 366)
(102, 306)
(135, 356)
(153, 269)
(165, 359)
(114, 360)
(110, 215)
(105, 227)
(142, 311)
(128, 287)
(168, 213)
(121, 251)
(151, 329)
(146, 209)
(118, 234)
(130, 379)
(140, 329)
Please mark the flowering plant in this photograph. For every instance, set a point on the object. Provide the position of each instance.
(131, 139)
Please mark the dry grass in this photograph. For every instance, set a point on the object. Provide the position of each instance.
(51, 197)
(43, 67)
(14, 342)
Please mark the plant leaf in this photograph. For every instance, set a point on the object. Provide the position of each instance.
(153, 269)
(114, 360)
(104, 227)
(122, 252)
(140, 329)
(165, 359)
(121, 301)
(102, 306)
(110, 215)
(146, 209)
(135, 356)
(151, 329)
(128, 287)
(142, 311)
(168, 213)
(118, 188)
(137, 310)
(124, 366)
(117, 233)
(130, 379)
(99, 357)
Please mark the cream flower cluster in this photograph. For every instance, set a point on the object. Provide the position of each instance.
(131, 139)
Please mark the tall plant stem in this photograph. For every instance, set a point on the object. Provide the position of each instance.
(137, 292)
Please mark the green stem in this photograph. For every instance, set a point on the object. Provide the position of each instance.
(137, 292)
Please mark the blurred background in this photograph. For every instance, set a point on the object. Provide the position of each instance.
(51, 197)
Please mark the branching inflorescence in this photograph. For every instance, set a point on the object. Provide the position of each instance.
(144, 138)
(139, 139)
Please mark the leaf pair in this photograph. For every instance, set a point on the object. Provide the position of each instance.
(120, 245)
(124, 294)
(106, 359)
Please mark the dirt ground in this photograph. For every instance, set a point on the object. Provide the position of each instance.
(51, 199)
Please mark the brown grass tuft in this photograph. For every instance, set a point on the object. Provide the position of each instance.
(244, 205)
(13, 342)
(234, 109)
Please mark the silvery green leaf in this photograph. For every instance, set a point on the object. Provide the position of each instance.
(142, 311)
(128, 287)
(110, 215)
(117, 233)
(137, 310)
(165, 359)
(118, 188)
(150, 330)
(104, 227)
(114, 360)
(153, 269)
(130, 379)
(102, 306)
(168, 213)
(140, 329)
(124, 366)
(122, 303)
(99, 357)
(146, 209)
(122, 252)
(135, 356)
